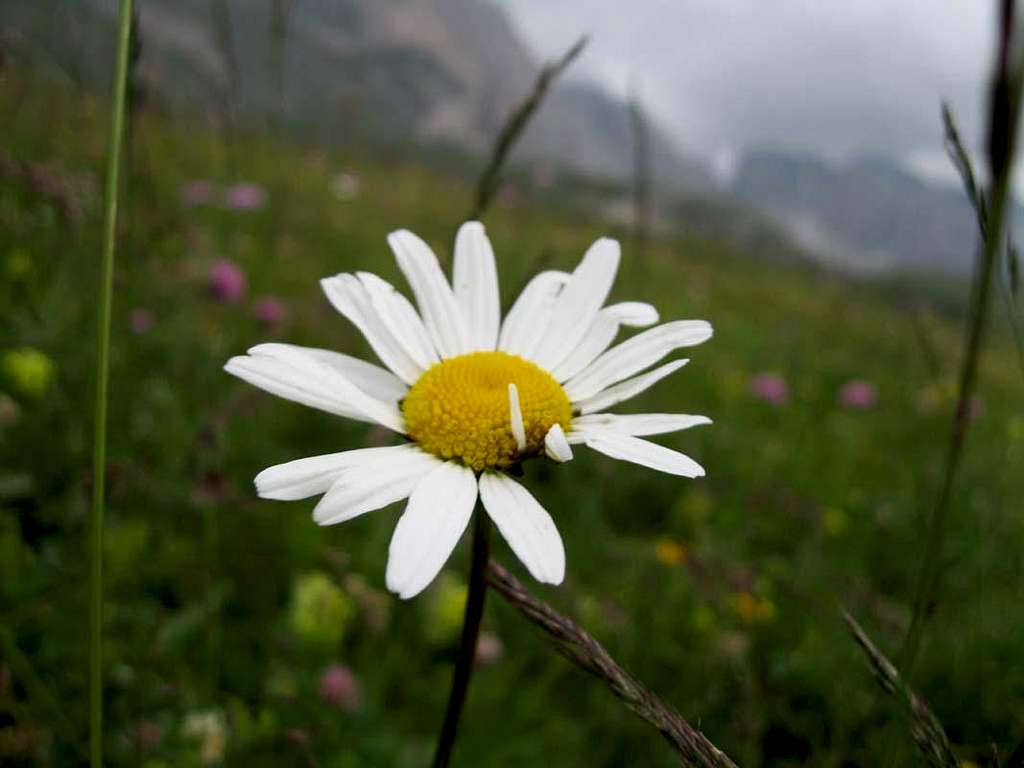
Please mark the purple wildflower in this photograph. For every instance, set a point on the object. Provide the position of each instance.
(771, 388)
(271, 312)
(140, 320)
(339, 688)
(858, 394)
(245, 197)
(226, 281)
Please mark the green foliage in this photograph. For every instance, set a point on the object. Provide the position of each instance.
(719, 593)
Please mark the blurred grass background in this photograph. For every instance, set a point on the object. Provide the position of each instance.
(238, 632)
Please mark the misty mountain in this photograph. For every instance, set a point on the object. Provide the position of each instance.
(867, 214)
(431, 72)
(445, 73)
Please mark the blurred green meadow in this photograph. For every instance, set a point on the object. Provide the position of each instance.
(240, 633)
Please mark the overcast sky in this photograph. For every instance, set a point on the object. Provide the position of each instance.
(831, 76)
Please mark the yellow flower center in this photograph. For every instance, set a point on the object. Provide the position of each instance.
(459, 409)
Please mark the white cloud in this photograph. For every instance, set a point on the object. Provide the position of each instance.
(825, 76)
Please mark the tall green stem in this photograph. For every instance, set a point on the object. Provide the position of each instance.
(1007, 84)
(470, 634)
(99, 444)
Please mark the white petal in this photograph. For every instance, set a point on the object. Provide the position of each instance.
(373, 485)
(646, 454)
(635, 314)
(349, 296)
(579, 302)
(475, 280)
(527, 321)
(598, 338)
(401, 319)
(441, 313)
(288, 373)
(372, 379)
(313, 475)
(556, 446)
(602, 333)
(516, 417)
(439, 510)
(526, 526)
(628, 388)
(634, 355)
(636, 425)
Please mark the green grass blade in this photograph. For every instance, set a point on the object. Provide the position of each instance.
(99, 445)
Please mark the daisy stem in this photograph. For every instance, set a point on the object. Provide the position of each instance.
(470, 633)
(99, 444)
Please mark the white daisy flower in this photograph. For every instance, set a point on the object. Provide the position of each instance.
(474, 396)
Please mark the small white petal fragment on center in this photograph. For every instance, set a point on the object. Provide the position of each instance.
(556, 446)
(516, 417)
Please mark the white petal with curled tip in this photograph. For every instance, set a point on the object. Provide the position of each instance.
(527, 321)
(314, 475)
(525, 525)
(635, 314)
(374, 485)
(475, 282)
(556, 446)
(438, 511)
(441, 313)
(401, 319)
(634, 355)
(624, 390)
(578, 303)
(349, 296)
(372, 379)
(646, 454)
(637, 425)
(296, 376)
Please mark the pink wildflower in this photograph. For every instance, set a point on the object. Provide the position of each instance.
(245, 197)
(771, 388)
(140, 320)
(271, 312)
(858, 394)
(227, 281)
(339, 688)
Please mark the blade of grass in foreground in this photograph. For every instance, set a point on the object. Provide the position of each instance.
(1007, 82)
(928, 733)
(99, 445)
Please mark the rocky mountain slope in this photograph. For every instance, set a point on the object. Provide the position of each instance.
(429, 72)
(867, 213)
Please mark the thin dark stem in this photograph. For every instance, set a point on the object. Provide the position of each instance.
(578, 646)
(470, 633)
(641, 177)
(962, 163)
(1005, 109)
(514, 126)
